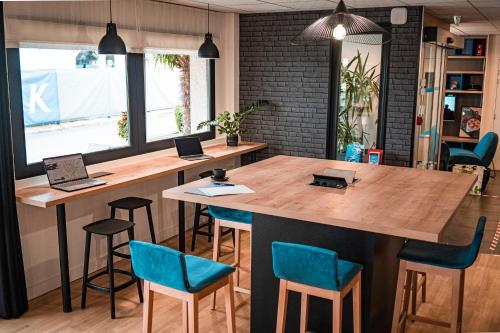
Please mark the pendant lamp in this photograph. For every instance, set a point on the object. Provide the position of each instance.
(342, 25)
(208, 50)
(111, 43)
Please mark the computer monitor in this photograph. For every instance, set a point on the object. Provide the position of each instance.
(188, 146)
(64, 169)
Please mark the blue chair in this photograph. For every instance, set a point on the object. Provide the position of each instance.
(449, 260)
(184, 277)
(482, 155)
(313, 271)
(237, 220)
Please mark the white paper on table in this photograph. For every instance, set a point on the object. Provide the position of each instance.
(225, 190)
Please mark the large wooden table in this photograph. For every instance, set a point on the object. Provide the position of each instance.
(121, 176)
(367, 223)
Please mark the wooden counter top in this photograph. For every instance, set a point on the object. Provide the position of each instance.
(396, 201)
(132, 173)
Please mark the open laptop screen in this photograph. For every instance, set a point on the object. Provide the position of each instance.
(188, 146)
(65, 168)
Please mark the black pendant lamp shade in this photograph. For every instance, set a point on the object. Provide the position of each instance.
(111, 43)
(342, 25)
(208, 50)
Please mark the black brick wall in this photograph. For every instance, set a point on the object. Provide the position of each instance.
(295, 80)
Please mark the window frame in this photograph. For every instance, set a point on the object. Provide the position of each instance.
(136, 117)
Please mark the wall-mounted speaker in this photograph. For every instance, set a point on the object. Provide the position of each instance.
(399, 15)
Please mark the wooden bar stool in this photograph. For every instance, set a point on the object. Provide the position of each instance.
(237, 220)
(443, 259)
(108, 228)
(131, 204)
(181, 276)
(202, 211)
(313, 271)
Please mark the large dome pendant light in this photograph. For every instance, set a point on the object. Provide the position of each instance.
(208, 50)
(342, 25)
(111, 43)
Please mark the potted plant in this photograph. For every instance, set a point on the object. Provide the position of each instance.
(359, 88)
(231, 124)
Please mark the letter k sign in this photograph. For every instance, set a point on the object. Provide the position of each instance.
(36, 98)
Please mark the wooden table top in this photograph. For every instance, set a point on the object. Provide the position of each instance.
(396, 201)
(132, 173)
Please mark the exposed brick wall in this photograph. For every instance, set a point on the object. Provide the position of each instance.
(295, 80)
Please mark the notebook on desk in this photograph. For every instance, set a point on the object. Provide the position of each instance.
(216, 189)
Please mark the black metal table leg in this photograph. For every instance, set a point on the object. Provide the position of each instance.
(253, 157)
(182, 216)
(63, 257)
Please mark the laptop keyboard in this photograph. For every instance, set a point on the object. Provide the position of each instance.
(77, 182)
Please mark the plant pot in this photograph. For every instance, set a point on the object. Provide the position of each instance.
(232, 140)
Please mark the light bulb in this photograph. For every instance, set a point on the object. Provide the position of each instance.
(339, 32)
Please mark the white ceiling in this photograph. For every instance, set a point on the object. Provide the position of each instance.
(478, 16)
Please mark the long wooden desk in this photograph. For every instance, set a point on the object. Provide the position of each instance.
(124, 175)
(366, 223)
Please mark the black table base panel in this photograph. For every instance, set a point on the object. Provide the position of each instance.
(182, 216)
(377, 253)
(63, 257)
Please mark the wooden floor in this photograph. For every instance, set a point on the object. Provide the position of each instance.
(481, 305)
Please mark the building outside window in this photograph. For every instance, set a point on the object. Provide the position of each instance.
(176, 94)
(74, 101)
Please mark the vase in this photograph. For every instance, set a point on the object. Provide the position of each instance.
(232, 140)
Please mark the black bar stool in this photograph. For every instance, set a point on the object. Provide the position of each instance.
(130, 204)
(200, 211)
(108, 228)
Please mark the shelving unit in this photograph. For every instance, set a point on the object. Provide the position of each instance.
(464, 92)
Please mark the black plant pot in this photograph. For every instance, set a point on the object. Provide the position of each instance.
(232, 140)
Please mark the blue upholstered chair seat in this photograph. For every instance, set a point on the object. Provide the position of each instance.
(203, 272)
(464, 156)
(174, 269)
(312, 266)
(444, 255)
(228, 214)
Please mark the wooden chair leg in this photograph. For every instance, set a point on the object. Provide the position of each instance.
(414, 292)
(398, 299)
(147, 312)
(304, 302)
(356, 305)
(185, 327)
(229, 296)
(216, 252)
(111, 277)
(424, 287)
(85, 269)
(337, 314)
(193, 314)
(406, 300)
(282, 304)
(237, 255)
(196, 225)
(457, 282)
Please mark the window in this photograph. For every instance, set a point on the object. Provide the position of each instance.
(73, 101)
(66, 101)
(176, 94)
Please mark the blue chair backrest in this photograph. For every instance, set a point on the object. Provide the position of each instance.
(473, 248)
(486, 148)
(159, 264)
(305, 264)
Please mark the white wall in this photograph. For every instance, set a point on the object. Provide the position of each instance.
(38, 226)
(491, 102)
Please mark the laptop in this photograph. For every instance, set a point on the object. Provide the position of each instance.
(190, 149)
(68, 173)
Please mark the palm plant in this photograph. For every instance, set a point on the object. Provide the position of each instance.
(182, 62)
(359, 87)
(231, 125)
